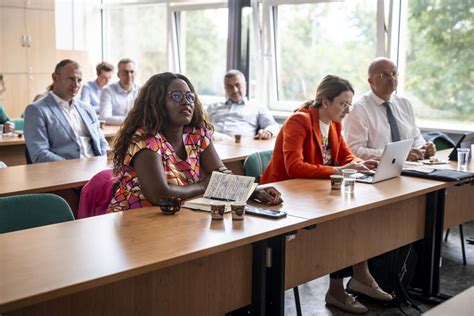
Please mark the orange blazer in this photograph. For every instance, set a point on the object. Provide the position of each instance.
(298, 151)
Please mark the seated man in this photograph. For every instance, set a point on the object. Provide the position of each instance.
(91, 90)
(237, 115)
(380, 117)
(4, 120)
(58, 127)
(118, 98)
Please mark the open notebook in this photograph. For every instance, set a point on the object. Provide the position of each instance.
(223, 187)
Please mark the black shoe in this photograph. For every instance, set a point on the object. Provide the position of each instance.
(470, 240)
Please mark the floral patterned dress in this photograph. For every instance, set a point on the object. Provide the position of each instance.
(179, 172)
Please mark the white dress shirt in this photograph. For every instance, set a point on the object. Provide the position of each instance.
(77, 124)
(115, 103)
(366, 127)
(242, 118)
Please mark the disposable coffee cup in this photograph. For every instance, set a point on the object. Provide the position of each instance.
(217, 210)
(237, 138)
(336, 181)
(238, 210)
(463, 157)
(348, 185)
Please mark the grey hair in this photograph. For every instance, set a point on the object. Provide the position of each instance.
(234, 73)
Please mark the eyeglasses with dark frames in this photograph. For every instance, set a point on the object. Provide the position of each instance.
(178, 96)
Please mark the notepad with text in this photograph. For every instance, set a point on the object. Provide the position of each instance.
(224, 187)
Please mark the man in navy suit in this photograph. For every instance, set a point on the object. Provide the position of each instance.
(59, 127)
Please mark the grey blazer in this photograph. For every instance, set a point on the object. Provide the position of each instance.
(50, 137)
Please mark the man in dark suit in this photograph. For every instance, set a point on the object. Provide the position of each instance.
(59, 127)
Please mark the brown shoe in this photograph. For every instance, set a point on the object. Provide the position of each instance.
(351, 305)
(376, 292)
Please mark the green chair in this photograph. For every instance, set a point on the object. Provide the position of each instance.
(256, 163)
(254, 166)
(19, 123)
(441, 140)
(32, 210)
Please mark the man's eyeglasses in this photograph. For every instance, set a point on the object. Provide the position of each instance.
(178, 96)
(387, 74)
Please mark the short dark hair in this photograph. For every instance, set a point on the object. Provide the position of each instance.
(103, 67)
(125, 61)
(63, 63)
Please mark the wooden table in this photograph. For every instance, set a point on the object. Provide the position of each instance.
(66, 174)
(459, 196)
(12, 147)
(142, 262)
(133, 263)
(351, 228)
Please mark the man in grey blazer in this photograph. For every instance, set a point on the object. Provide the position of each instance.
(59, 127)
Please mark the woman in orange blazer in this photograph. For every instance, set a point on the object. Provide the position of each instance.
(310, 145)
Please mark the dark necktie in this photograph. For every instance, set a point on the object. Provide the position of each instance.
(392, 122)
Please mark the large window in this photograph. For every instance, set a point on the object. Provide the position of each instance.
(313, 40)
(204, 48)
(438, 75)
(78, 33)
(138, 32)
(288, 46)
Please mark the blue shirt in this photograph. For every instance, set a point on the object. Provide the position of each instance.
(115, 103)
(91, 94)
(244, 118)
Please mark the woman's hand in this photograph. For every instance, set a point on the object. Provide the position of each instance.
(267, 195)
(371, 164)
(359, 166)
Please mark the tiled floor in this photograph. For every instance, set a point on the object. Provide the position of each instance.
(455, 277)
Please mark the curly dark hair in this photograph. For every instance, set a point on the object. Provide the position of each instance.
(149, 112)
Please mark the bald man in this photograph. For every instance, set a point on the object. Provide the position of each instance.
(380, 116)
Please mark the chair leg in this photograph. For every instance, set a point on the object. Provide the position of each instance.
(461, 234)
(446, 236)
(297, 301)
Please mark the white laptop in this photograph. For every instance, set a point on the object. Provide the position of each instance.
(391, 163)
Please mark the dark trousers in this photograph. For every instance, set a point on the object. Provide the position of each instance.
(340, 274)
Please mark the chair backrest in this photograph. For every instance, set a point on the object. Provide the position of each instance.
(256, 163)
(96, 194)
(19, 123)
(28, 157)
(441, 140)
(32, 210)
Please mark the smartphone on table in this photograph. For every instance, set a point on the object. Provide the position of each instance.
(258, 211)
